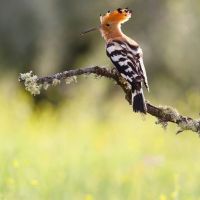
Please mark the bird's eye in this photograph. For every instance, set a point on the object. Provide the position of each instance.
(107, 24)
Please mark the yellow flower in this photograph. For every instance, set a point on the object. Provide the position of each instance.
(15, 164)
(34, 182)
(163, 197)
(88, 197)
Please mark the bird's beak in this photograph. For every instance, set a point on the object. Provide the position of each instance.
(90, 30)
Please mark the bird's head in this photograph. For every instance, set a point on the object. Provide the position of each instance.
(114, 18)
(111, 21)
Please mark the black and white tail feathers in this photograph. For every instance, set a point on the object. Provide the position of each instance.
(138, 100)
(128, 61)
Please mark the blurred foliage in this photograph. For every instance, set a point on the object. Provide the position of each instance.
(72, 152)
(45, 36)
(90, 145)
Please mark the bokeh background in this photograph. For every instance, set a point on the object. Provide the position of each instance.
(82, 141)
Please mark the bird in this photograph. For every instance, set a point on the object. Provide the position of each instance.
(125, 53)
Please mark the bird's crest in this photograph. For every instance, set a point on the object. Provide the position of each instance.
(116, 16)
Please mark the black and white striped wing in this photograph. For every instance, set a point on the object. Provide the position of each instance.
(128, 61)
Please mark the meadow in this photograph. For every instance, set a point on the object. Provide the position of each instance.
(82, 141)
(93, 151)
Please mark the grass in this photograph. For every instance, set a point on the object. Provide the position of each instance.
(81, 151)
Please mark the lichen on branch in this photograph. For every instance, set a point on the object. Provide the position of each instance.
(31, 82)
(164, 114)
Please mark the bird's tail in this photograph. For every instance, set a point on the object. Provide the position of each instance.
(138, 100)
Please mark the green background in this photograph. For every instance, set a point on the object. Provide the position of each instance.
(82, 141)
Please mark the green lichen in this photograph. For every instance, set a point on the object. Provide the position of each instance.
(71, 79)
(162, 123)
(168, 110)
(188, 124)
(55, 82)
(30, 82)
(46, 85)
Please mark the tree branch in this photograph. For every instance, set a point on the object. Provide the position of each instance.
(164, 114)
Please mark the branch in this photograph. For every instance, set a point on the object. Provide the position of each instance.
(164, 114)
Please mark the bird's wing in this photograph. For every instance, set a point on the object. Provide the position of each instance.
(128, 61)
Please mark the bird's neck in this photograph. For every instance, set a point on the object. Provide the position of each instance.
(113, 33)
(116, 34)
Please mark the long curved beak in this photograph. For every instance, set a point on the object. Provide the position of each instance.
(90, 30)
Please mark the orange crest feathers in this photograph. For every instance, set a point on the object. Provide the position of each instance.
(116, 16)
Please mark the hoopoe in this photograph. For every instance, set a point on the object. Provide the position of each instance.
(125, 54)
